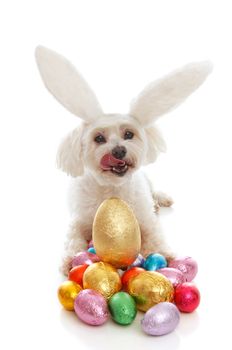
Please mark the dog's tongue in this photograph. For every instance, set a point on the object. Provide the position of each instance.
(108, 161)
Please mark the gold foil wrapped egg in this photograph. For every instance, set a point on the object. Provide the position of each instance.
(116, 233)
(103, 278)
(67, 293)
(150, 288)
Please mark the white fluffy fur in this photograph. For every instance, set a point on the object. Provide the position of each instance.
(79, 155)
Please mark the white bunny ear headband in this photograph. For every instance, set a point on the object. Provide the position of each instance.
(72, 91)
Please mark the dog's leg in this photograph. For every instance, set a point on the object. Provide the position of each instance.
(152, 241)
(161, 200)
(76, 242)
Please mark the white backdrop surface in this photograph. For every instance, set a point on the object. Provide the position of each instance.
(119, 46)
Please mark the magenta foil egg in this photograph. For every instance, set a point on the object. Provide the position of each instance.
(90, 244)
(175, 276)
(84, 258)
(138, 262)
(91, 307)
(187, 265)
(161, 319)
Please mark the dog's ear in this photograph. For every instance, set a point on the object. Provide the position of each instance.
(167, 93)
(67, 85)
(155, 144)
(69, 155)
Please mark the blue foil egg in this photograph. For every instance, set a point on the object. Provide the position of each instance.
(155, 262)
(92, 250)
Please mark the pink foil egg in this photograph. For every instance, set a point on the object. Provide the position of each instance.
(84, 258)
(175, 276)
(91, 307)
(187, 265)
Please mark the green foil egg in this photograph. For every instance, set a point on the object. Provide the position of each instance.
(122, 308)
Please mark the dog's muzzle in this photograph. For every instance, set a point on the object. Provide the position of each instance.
(116, 165)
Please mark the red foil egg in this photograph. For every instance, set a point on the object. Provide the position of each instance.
(187, 297)
(134, 271)
(76, 274)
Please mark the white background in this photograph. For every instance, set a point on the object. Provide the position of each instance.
(119, 46)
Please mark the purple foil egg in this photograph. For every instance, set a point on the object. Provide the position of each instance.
(90, 244)
(175, 276)
(84, 258)
(91, 307)
(138, 261)
(161, 319)
(187, 265)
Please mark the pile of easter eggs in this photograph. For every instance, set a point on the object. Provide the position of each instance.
(112, 279)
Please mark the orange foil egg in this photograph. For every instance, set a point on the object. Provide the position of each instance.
(76, 274)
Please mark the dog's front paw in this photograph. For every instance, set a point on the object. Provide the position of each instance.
(66, 265)
(169, 256)
(162, 200)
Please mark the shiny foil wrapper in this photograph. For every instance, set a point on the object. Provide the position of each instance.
(122, 308)
(82, 258)
(91, 307)
(187, 297)
(103, 278)
(161, 319)
(116, 233)
(67, 293)
(150, 288)
(187, 265)
(175, 276)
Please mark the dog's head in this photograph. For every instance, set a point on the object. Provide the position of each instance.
(113, 146)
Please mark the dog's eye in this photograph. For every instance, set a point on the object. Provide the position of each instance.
(100, 139)
(128, 135)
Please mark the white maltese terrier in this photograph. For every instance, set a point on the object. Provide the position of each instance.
(105, 153)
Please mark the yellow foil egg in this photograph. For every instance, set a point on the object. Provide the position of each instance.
(150, 288)
(116, 233)
(67, 293)
(103, 278)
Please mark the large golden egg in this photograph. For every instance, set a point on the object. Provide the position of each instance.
(116, 233)
(150, 288)
(103, 278)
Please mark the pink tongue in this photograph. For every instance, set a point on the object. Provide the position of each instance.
(108, 161)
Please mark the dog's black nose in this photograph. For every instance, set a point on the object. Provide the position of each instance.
(119, 152)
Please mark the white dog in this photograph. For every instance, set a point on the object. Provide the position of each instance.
(105, 153)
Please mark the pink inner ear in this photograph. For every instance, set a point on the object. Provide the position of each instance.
(108, 161)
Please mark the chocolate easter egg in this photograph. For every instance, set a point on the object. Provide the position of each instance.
(116, 233)
(122, 308)
(150, 288)
(160, 319)
(175, 276)
(187, 265)
(103, 278)
(91, 307)
(67, 293)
